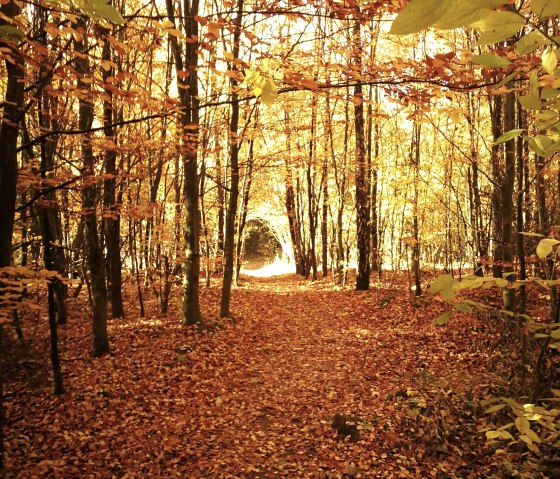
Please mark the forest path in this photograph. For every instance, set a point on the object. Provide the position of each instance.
(300, 353)
(256, 399)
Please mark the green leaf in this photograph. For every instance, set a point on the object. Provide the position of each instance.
(545, 247)
(500, 282)
(555, 334)
(419, 15)
(466, 12)
(463, 307)
(443, 318)
(530, 42)
(495, 408)
(528, 233)
(269, 92)
(442, 282)
(492, 434)
(498, 26)
(506, 80)
(11, 33)
(522, 424)
(533, 435)
(545, 8)
(550, 94)
(99, 9)
(490, 60)
(543, 145)
(549, 60)
(529, 102)
(510, 135)
(534, 90)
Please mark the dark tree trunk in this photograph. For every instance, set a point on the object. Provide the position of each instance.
(507, 202)
(375, 139)
(247, 181)
(94, 254)
(324, 220)
(497, 194)
(520, 151)
(229, 239)
(9, 131)
(415, 156)
(189, 118)
(543, 225)
(362, 196)
(112, 216)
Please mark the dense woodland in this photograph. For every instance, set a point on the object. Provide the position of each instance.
(151, 150)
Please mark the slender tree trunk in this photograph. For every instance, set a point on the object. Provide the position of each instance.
(112, 217)
(221, 215)
(229, 239)
(521, 123)
(94, 254)
(362, 196)
(324, 219)
(507, 201)
(543, 222)
(376, 262)
(52, 307)
(497, 193)
(189, 118)
(247, 181)
(415, 156)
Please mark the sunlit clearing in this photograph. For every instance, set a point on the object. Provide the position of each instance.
(136, 323)
(275, 268)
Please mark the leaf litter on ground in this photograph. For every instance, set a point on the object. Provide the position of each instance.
(256, 398)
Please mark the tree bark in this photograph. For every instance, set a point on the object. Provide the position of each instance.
(112, 216)
(362, 196)
(187, 62)
(94, 254)
(415, 156)
(229, 239)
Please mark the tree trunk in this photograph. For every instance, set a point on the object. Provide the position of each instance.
(9, 131)
(415, 156)
(507, 202)
(362, 196)
(521, 123)
(94, 254)
(324, 219)
(189, 119)
(497, 193)
(229, 239)
(247, 181)
(111, 217)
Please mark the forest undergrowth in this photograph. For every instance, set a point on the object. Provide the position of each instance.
(306, 380)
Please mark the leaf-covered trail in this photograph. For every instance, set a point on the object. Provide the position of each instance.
(256, 399)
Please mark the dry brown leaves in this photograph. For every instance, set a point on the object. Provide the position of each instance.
(256, 398)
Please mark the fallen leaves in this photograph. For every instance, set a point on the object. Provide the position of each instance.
(256, 398)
